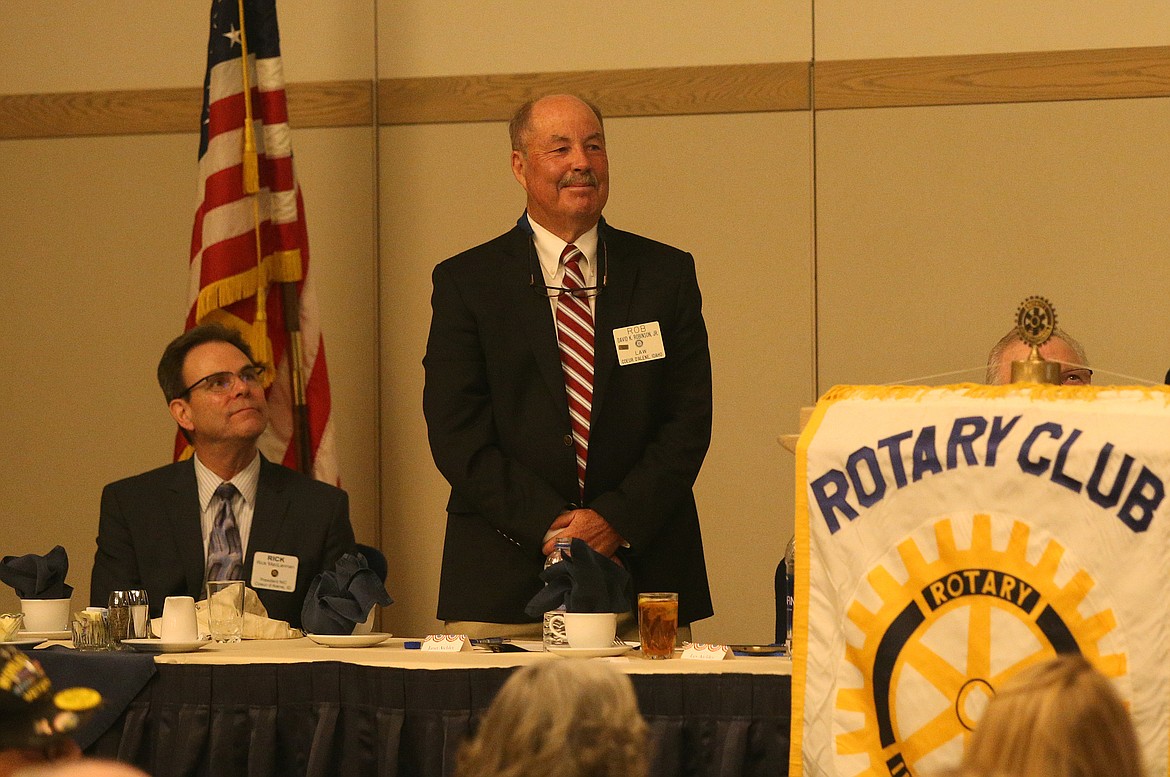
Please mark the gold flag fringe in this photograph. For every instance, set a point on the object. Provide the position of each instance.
(279, 267)
(1032, 391)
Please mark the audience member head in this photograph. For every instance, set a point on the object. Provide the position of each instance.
(1061, 347)
(1058, 718)
(35, 719)
(571, 718)
(559, 157)
(213, 386)
(84, 767)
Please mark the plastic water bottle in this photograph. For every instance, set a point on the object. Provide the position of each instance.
(790, 575)
(554, 620)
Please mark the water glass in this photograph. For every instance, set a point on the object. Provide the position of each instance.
(225, 610)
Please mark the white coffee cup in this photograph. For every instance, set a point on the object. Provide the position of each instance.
(42, 615)
(590, 629)
(178, 620)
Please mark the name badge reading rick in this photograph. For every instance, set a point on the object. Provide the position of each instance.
(274, 571)
(639, 343)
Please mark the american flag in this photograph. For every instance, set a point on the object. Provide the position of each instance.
(233, 227)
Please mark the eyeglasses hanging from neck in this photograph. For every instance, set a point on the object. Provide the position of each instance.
(584, 292)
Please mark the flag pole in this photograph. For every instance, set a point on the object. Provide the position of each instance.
(289, 296)
(296, 375)
(261, 346)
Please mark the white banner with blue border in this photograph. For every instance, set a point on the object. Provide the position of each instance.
(949, 537)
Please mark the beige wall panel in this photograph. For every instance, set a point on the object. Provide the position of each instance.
(735, 191)
(94, 244)
(847, 29)
(935, 223)
(77, 45)
(444, 188)
(336, 171)
(93, 271)
(742, 211)
(436, 38)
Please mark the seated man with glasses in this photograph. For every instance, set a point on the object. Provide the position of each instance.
(227, 513)
(1061, 347)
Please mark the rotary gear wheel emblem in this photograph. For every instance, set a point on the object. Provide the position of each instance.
(1035, 320)
(930, 657)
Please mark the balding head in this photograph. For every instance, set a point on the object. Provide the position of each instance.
(559, 158)
(1061, 347)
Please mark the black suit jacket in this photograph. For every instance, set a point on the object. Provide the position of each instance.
(149, 535)
(498, 423)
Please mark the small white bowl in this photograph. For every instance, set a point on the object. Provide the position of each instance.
(45, 614)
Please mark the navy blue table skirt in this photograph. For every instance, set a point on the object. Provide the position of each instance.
(331, 718)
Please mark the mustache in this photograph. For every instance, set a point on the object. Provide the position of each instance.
(587, 178)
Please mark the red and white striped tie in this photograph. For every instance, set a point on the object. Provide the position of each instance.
(575, 337)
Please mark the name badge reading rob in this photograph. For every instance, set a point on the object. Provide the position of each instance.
(274, 572)
(639, 343)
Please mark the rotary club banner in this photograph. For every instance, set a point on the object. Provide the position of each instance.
(949, 537)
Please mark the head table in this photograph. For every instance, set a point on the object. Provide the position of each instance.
(292, 707)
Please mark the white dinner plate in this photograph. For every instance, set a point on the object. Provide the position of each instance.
(349, 640)
(21, 641)
(160, 646)
(43, 635)
(572, 652)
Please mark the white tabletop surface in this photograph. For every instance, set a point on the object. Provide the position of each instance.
(392, 653)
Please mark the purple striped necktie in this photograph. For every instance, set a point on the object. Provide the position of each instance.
(575, 337)
(225, 555)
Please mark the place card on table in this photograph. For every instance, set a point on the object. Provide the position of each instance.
(702, 651)
(446, 643)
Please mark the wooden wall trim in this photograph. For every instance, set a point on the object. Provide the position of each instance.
(663, 91)
(1094, 74)
(151, 111)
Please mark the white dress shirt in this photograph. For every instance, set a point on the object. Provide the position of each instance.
(549, 248)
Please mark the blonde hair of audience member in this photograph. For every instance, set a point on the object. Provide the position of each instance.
(568, 717)
(1061, 347)
(1058, 718)
(85, 767)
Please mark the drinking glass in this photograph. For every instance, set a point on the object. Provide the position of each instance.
(118, 613)
(139, 614)
(91, 630)
(225, 609)
(658, 624)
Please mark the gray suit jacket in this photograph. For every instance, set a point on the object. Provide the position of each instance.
(149, 534)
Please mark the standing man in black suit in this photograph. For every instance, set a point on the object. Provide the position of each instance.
(530, 448)
(227, 512)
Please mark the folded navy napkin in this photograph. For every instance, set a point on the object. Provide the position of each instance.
(38, 577)
(585, 581)
(340, 599)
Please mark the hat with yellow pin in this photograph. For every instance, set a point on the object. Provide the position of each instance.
(32, 714)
